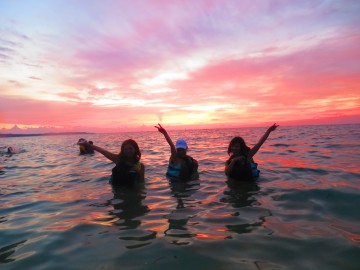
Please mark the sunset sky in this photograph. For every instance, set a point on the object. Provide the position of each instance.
(111, 65)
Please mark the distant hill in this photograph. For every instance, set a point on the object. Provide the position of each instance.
(41, 134)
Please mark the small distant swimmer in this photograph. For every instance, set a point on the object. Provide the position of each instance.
(84, 147)
(12, 150)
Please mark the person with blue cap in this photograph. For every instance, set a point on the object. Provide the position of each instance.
(182, 167)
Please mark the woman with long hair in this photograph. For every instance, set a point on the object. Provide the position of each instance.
(128, 169)
(241, 165)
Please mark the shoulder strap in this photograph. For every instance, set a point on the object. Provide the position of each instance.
(189, 162)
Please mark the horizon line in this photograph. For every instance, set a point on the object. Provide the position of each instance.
(2, 135)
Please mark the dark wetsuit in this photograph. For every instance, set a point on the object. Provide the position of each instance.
(124, 174)
(185, 171)
(243, 170)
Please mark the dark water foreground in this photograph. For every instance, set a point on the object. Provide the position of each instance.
(58, 212)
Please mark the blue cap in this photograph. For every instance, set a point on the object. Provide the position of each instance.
(181, 144)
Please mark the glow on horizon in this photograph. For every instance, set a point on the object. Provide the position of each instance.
(117, 65)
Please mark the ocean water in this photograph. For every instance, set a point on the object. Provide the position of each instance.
(57, 210)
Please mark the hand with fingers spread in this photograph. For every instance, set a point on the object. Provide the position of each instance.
(273, 127)
(161, 129)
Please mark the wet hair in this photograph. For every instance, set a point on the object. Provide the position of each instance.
(244, 148)
(133, 144)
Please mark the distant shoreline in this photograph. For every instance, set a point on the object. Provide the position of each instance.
(172, 128)
(41, 134)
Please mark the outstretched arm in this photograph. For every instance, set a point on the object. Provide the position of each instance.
(168, 139)
(256, 148)
(107, 154)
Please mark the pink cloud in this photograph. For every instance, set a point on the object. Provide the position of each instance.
(35, 78)
(34, 112)
(14, 83)
(109, 50)
(312, 73)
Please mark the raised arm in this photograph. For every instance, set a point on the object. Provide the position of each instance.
(256, 148)
(107, 154)
(168, 139)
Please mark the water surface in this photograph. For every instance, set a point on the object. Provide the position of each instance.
(57, 210)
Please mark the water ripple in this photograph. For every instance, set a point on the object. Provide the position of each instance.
(57, 210)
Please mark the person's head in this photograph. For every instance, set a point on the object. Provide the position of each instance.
(237, 146)
(181, 147)
(130, 151)
(81, 140)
